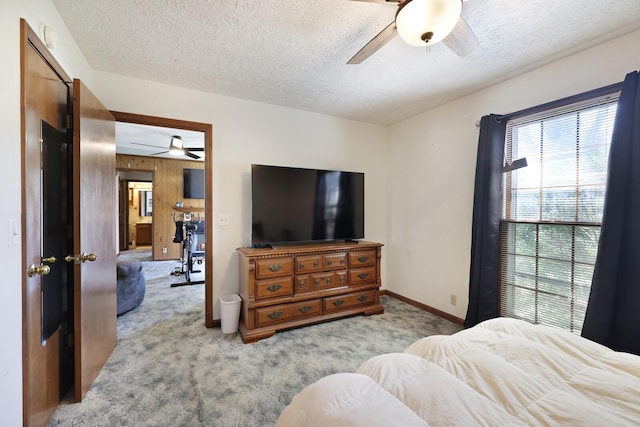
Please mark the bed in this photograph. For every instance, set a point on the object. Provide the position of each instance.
(502, 372)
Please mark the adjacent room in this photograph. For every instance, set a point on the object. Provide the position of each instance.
(337, 212)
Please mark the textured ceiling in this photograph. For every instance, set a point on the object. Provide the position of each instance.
(294, 53)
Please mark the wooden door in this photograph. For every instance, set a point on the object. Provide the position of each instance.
(95, 214)
(58, 296)
(44, 115)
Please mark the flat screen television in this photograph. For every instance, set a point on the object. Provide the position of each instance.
(296, 205)
(193, 183)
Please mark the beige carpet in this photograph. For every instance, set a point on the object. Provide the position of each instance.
(169, 370)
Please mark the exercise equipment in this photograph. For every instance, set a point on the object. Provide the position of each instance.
(190, 233)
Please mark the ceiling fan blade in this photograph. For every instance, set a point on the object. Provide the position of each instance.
(193, 156)
(461, 40)
(194, 149)
(146, 145)
(374, 44)
(380, 1)
(157, 154)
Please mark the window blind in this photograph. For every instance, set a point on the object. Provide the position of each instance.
(552, 211)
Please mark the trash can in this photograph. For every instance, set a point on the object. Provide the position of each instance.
(230, 313)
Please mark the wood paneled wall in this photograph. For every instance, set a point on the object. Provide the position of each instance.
(167, 190)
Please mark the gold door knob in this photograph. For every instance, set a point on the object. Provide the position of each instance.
(70, 258)
(41, 270)
(49, 260)
(89, 257)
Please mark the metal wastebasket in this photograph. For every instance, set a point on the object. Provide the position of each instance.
(230, 313)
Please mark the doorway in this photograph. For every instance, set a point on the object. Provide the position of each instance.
(207, 130)
(135, 209)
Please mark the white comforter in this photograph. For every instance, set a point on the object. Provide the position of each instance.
(503, 372)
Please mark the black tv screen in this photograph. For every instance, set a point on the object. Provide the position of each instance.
(193, 183)
(305, 205)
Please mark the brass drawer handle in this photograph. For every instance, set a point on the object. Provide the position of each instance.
(316, 283)
(301, 266)
(341, 279)
(315, 264)
(328, 281)
(305, 308)
(329, 263)
(301, 285)
(363, 258)
(363, 298)
(341, 261)
(275, 267)
(338, 303)
(274, 288)
(274, 315)
(363, 275)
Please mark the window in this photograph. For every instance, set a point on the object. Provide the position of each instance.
(552, 211)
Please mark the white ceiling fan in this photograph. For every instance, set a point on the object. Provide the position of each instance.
(176, 148)
(423, 23)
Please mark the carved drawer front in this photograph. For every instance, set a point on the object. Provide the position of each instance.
(274, 287)
(326, 281)
(342, 279)
(274, 267)
(303, 283)
(362, 259)
(350, 300)
(335, 261)
(281, 312)
(362, 275)
(308, 264)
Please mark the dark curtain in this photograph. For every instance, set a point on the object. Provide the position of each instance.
(483, 280)
(613, 313)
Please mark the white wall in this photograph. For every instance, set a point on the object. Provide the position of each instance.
(69, 56)
(432, 170)
(246, 132)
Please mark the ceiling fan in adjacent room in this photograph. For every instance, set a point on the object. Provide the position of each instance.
(423, 23)
(176, 148)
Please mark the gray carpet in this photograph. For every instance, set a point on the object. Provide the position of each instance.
(169, 370)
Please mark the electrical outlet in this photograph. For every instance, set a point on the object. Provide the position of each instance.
(164, 250)
(223, 219)
(454, 299)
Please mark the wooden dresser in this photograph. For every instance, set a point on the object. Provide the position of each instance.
(293, 286)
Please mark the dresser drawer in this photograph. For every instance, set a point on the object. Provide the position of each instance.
(279, 313)
(328, 280)
(362, 259)
(362, 275)
(308, 264)
(274, 267)
(303, 283)
(277, 287)
(350, 300)
(335, 261)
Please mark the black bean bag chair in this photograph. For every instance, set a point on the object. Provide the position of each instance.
(130, 285)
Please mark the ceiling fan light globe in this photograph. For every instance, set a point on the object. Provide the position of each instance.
(176, 143)
(418, 17)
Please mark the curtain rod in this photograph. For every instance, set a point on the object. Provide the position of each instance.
(606, 90)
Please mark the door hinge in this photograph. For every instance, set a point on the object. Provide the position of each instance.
(70, 341)
(68, 122)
